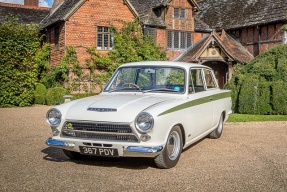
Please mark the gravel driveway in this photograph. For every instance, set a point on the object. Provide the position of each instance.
(248, 157)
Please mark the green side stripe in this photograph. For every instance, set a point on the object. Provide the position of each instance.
(197, 102)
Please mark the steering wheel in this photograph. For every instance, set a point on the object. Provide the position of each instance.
(134, 85)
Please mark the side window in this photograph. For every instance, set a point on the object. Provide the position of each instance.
(209, 78)
(196, 81)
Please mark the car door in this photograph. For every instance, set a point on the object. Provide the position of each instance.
(201, 110)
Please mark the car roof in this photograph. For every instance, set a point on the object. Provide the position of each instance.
(165, 63)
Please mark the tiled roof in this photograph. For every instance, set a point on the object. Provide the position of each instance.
(199, 25)
(231, 14)
(60, 13)
(231, 47)
(25, 14)
(197, 49)
(146, 10)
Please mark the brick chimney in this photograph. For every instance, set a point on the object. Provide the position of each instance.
(31, 2)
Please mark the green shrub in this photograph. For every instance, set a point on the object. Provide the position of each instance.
(279, 97)
(55, 96)
(40, 94)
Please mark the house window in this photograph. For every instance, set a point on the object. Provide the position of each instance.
(178, 40)
(284, 37)
(149, 32)
(176, 13)
(182, 14)
(104, 38)
(56, 37)
(179, 13)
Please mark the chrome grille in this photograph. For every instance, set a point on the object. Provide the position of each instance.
(100, 131)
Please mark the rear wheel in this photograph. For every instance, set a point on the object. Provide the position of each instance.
(216, 133)
(172, 150)
(72, 155)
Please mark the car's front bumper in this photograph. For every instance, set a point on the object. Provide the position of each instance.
(126, 151)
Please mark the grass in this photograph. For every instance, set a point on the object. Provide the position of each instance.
(249, 118)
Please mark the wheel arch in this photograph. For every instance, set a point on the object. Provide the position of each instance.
(182, 132)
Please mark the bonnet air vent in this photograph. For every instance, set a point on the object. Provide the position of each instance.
(102, 109)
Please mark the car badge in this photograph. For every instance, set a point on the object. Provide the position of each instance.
(70, 126)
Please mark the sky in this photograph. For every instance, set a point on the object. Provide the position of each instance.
(42, 3)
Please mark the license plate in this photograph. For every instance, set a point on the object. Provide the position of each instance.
(110, 152)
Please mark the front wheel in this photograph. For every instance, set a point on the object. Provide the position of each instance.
(216, 133)
(172, 150)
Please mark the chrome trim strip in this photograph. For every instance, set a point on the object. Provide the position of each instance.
(99, 132)
(57, 143)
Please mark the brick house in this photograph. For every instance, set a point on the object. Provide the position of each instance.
(28, 13)
(215, 33)
(83, 24)
(256, 25)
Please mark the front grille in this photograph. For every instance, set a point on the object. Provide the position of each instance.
(99, 131)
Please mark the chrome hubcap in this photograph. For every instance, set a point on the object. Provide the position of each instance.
(173, 145)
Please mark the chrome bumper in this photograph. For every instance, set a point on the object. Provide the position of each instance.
(60, 144)
(134, 151)
(130, 151)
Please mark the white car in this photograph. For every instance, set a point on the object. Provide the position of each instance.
(148, 109)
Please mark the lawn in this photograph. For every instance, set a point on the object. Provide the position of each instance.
(248, 118)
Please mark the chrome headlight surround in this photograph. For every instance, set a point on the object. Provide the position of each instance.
(53, 117)
(144, 122)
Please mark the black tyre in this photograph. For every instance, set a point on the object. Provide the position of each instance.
(72, 155)
(172, 150)
(216, 133)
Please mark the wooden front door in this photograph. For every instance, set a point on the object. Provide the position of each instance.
(220, 71)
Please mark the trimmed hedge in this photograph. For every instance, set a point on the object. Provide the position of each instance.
(55, 96)
(40, 94)
(260, 86)
(19, 46)
(279, 98)
(248, 95)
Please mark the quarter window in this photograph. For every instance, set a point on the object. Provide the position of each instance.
(104, 38)
(196, 81)
(210, 80)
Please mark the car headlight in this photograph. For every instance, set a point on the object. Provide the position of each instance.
(54, 117)
(144, 122)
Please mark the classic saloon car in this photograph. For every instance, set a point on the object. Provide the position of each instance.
(147, 109)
